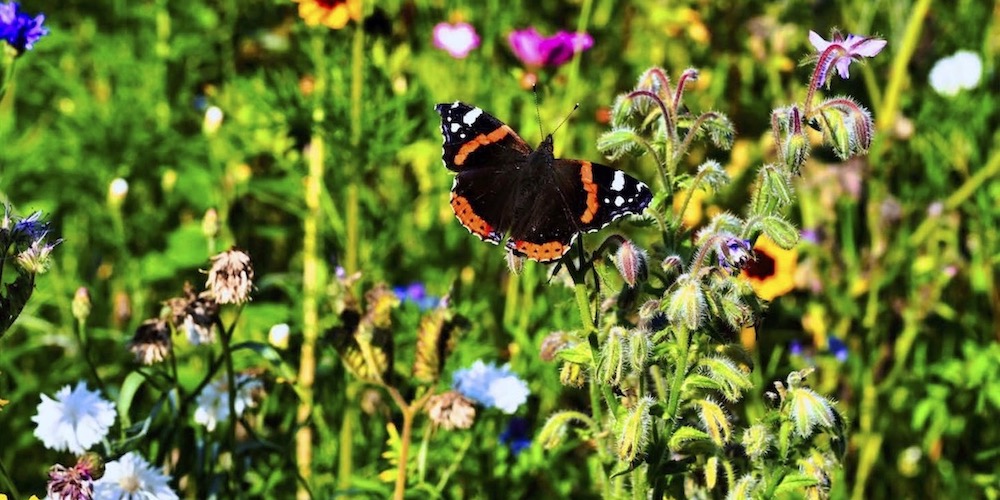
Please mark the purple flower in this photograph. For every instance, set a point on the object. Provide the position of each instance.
(457, 39)
(734, 253)
(840, 52)
(535, 50)
(18, 29)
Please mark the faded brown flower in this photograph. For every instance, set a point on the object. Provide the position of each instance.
(451, 410)
(151, 342)
(194, 314)
(230, 280)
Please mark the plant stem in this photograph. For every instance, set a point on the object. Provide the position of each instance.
(404, 451)
(684, 341)
(227, 354)
(7, 479)
(357, 87)
(312, 280)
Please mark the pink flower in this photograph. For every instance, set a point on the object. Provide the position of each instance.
(535, 50)
(840, 52)
(458, 39)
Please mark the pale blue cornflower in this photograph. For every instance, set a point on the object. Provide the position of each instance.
(491, 386)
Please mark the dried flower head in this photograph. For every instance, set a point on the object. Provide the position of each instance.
(451, 410)
(72, 483)
(230, 280)
(151, 342)
(194, 314)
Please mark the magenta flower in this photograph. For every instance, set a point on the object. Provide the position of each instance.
(457, 39)
(535, 50)
(840, 52)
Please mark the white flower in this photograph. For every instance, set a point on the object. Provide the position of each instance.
(213, 402)
(509, 393)
(131, 477)
(492, 386)
(73, 421)
(278, 335)
(957, 72)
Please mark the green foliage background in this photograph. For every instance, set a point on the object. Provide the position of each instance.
(906, 272)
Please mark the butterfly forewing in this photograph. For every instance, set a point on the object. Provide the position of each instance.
(504, 189)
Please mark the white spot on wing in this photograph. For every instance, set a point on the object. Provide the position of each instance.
(471, 116)
(619, 201)
(619, 181)
(455, 127)
(455, 105)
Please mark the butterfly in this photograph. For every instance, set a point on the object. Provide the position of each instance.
(503, 189)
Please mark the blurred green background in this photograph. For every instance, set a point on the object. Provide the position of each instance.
(900, 266)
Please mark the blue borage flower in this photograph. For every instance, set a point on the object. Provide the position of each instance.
(491, 386)
(840, 52)
(19, 29)
(517, 435)
(416, 293)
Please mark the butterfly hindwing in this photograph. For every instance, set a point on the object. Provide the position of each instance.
(504, 189)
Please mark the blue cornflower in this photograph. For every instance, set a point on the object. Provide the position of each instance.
(517, 435)
(837, 347)
(417, 294)
(19, 29)
(491, 386)
(31, 228)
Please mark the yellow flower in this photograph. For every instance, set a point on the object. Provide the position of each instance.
(772, 273)
(333, 14)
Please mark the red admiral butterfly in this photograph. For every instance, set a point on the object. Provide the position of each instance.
(539, 202)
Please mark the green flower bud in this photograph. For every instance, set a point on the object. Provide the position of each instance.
(611, 361)
(757, 441)
(635, 431)
(686, 305)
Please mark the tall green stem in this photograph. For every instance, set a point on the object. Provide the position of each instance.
(7, 479)
(357, 87)
(674, 398)
(236, 474)
(312, 277)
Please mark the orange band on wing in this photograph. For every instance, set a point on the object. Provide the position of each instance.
(541, 252)
(587, 176)
(467, 216)
(480, 140)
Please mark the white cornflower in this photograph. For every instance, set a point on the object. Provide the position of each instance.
(213, 402)
(956, 72)
(73, 421)
(131, 477)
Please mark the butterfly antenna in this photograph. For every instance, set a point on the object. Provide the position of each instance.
(575, 107)
(538, 114)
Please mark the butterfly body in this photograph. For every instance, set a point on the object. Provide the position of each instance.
(504, 189)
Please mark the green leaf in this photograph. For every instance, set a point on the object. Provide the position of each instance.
(579, 354)
(615, 143)
(686, 435)
(796, 482)
(127, 394)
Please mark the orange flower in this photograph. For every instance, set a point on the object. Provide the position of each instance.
(333, 14)
(772, 272)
